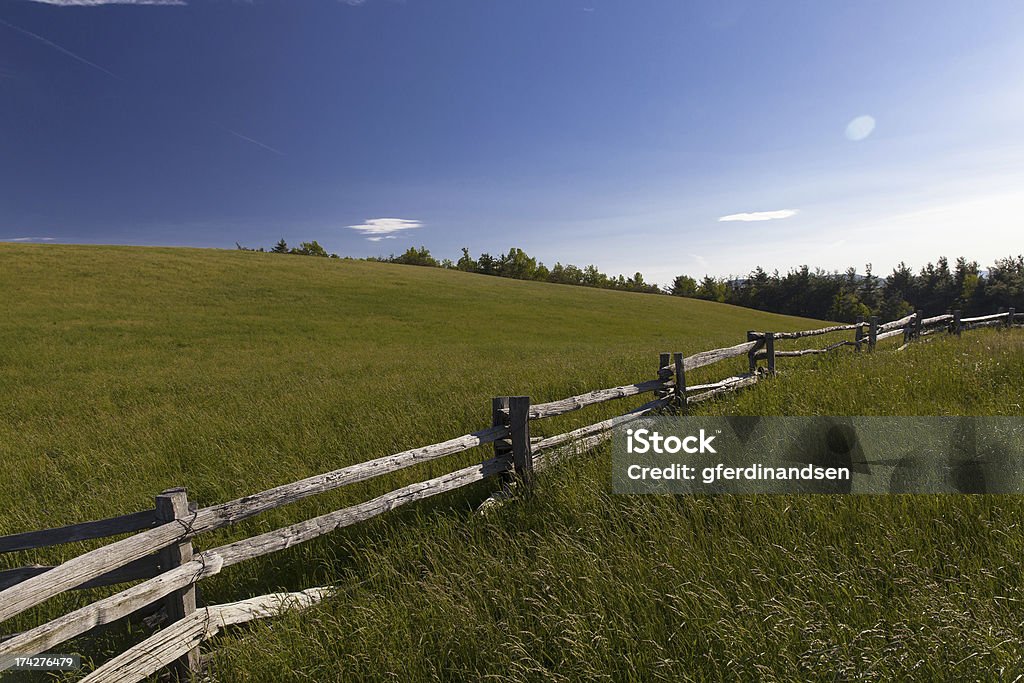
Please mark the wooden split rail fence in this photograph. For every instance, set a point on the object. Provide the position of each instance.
(159, 559)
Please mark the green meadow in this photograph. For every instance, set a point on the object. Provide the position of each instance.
(128, 370)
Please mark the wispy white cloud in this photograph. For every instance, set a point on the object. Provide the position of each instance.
(27, 239)
(95, 3)
(759, 215)
(376, 229)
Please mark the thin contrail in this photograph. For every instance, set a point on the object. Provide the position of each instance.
(110, 73)
(66, 51)
(255, 142)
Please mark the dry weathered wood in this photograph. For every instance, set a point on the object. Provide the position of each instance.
(279, 539)
(916, 330)
(704, 358)
(519, 433)
(757, 337)
(172, 506)
(87, 566)
(599, 427)
(211, 562)
(739, 384)
(822, 330)
(110, 609)
(720, 383)
(567, 405)
(1010, 315)
(142, 568)
(901, 323)
(149, 656)
(502, 447)
(890, 333)
(679, 390)
(162, 648)
(125, 524)
(811, 352)
(664, 361)
(769, 350)
(872, 332)
(858, 336)
(937, 319)
(983, 318)
(956, 327)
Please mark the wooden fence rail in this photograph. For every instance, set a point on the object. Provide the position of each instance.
(159, 552)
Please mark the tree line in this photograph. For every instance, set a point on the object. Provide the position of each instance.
(519, 265)
(935, 289)
(828, 295)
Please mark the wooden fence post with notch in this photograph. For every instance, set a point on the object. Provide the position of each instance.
(917, 323)
(752, 354)
(1009, 317)
(502, 447)
(908, 331)
(680, 388)
(858, 335)
(769, 350)
(956, 326)
(872, 332)
(519, 428)
(664, 361)
(172, 506)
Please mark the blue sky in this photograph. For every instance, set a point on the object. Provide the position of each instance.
(584, 131)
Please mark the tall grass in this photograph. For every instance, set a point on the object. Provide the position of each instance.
(125, 371)
(575, 583)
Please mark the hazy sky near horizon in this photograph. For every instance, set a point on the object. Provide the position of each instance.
(666, 137)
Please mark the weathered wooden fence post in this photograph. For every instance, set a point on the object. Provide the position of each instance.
(769, 350)
(908, 329)
(664, 361)
(955, 326)
(917, 323)
(872, 332)
(1009, 317)
(519, 428)
(680, 388)
(502, 447)
(858, 334)
(171, 506)
(752, 354)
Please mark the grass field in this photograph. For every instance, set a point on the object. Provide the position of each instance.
(575, 583)
(128, 370)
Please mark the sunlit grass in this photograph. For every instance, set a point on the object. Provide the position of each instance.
(575, 583)
(125, 371)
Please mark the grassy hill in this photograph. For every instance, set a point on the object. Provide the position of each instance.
(128, 370)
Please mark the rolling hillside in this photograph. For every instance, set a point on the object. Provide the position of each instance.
(128, 370)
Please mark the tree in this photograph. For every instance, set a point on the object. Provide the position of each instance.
(684, 285)
(281, 247)
(846, 307)
(517, 264)
(416, 257)
(466, 262)
(309, 249)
